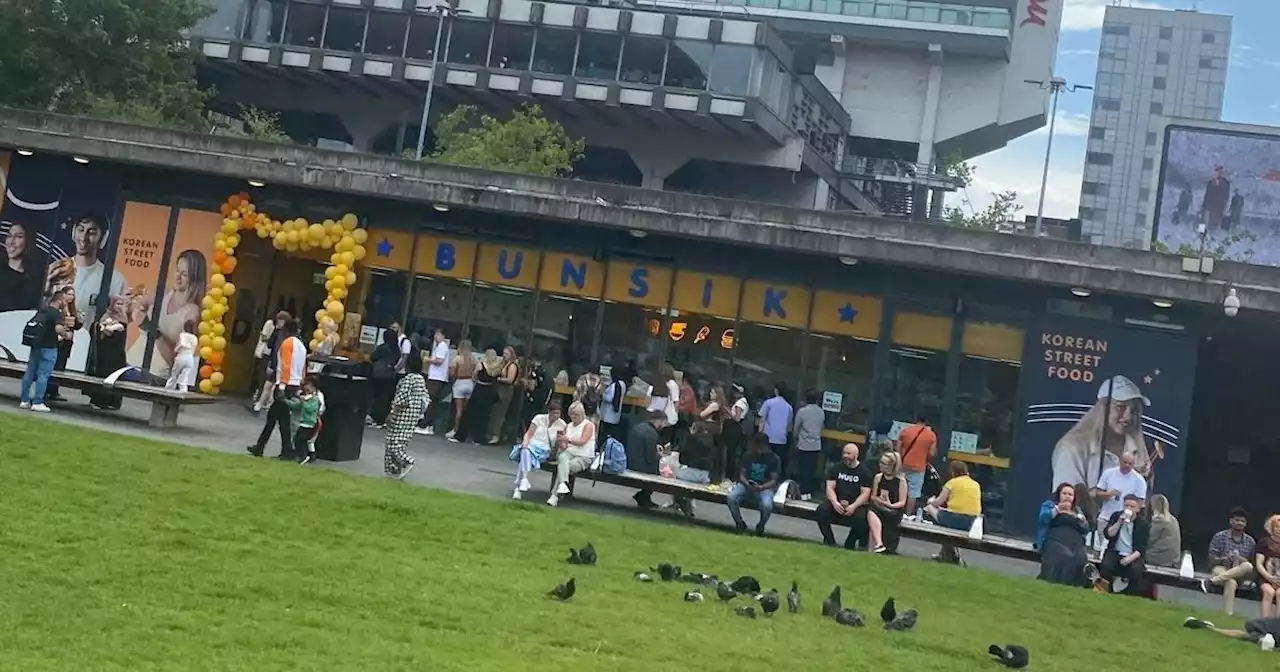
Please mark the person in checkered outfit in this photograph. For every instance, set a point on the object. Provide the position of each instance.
(408, 406)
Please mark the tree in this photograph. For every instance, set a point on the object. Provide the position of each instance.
(1223, 247)
(526, 143)
(991, 218)
(252, 123)
(123, 59)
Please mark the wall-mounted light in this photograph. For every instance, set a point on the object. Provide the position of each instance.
(440, 207)
(849, 261)
(637, 233)
(253, 182)
(80, 160)
(1162, 303)
(25, 152)
(1082, 292)
(1231, 304)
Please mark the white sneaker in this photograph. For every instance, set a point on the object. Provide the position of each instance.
(805, 498)
(422, 431)
(40, 408)
(25, 406)
(1268, 642)
(517, 494)
(431, 431)
(553, 500)
(450, 434)
(524, 485)
(562, 489)
(257, 407)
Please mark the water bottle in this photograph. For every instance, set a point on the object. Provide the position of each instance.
(1188, 568)
(975, 532)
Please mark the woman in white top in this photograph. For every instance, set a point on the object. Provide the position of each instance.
(576, 452)
(664, 397)
(544, 432)
(182, 373)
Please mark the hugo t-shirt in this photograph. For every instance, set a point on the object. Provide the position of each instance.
(849, 480)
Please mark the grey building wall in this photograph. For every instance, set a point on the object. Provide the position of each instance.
(1152, 64)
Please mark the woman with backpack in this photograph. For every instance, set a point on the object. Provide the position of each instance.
(615, 394)
(589, 390)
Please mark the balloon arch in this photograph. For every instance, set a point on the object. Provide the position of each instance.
(344, 236)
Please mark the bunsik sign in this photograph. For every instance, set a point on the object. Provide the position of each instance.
(1037, 13)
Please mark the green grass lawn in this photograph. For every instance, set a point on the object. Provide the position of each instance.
(125, 554)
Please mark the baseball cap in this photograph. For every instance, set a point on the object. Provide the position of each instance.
(1121, 389)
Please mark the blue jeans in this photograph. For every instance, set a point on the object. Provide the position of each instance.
(764, 501)
(39, 368)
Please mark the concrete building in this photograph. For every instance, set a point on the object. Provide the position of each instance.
(814, 104)
(1152, 64)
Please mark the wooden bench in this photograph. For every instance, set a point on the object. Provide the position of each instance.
(1009, 547)
(165, 404)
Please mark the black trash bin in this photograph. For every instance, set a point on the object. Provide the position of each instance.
(346, 398)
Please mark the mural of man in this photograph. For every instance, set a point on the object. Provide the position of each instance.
(1217, 192)
(83, 271)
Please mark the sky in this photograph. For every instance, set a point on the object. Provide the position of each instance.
(1251, 97)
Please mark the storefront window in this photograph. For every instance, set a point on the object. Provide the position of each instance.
(422, 37)
(767, 355)
(386, 33)
(986, 395)
(500, 317)
(688, 63)
(631, 336)
(385, 299)
(598, 55)
(553, 52)
(642, 59)
(512, 46)
(469, 42)
(345, 30)
(841, 368)
(562, 334)
(305, 25)
(700, 346)
(917, 372)
(438, 303)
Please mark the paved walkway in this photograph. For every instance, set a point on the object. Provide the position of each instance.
(477, 470)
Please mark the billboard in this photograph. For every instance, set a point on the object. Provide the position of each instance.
(1229, 182)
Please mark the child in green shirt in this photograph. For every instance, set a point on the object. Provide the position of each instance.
(307, 408)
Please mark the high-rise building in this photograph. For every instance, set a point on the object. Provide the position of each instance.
(1152, 64)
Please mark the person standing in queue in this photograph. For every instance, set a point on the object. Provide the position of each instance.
(918, 445)
(505, 387)
(775, 422)
(291, 365)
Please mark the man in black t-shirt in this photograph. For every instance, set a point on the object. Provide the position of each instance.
(848, 492)
(44, 353)
(757, 479)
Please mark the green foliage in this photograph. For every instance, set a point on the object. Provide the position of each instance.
(991, 218)
(1227, 247)
(120, 59)
(527, 143)
(253, 123)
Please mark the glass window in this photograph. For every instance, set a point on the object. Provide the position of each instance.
(688, 63)
(385, 300)
(512, 47)
(265, 22)
(386, 34)
(1206, 63)
(1162, 58)
(1148, 163)
(562, 334)
(305, 25)
(700, 345)
(345, 30)
(1151, 136)
(439, 303)
(843, 365)
(1157, 108)
(1166, 33)
(1115, 30)
(469, 42)
(422, 37)
(553, 52)
(500, 317)
(1098, 158)
(917, 371)
(1159, 83)
(986, 396)
(631, 337)
(1206, 38)
(224, 22)
(642, 59)
(598, 55)
(767, 355)
(731, 68)
(1097, 133)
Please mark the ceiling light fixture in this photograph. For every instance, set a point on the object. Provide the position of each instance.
(1082, 292)
(1162, 303)
(25, 152)
(253, 182)
(637, 233)
(80, 159)
(440, 207)
(849, 261)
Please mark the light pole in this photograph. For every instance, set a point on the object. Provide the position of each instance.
(444, 10)
(1056, 86)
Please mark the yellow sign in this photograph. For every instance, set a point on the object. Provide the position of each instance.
(389, 249)
(847, 314)
(636, 283)
(507, 265)
(572, 274)
(922, 331)
(771, 303)
(706, 293)
(445, 257)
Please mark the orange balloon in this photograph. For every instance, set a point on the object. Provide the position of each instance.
(228, 266)
(215, 359)
(226, 209)
(234, 201)
(219, 257)
(206, 371)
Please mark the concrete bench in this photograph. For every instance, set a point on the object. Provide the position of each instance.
(165, 404)
(994, 544)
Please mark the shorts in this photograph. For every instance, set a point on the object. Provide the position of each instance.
(1257, 628)
(462, 389)
(955, 521)
(915, 483)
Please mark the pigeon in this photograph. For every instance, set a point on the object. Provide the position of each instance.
(832, 604)
(710, 580)
(588, 554)
(574, 558)
(1010, 656)
(850, 617)
(724, 592)
(888, 612)
(745, 610)
(564, 591)
(769, 602)
(793, 599)
(904, 622)
(746, 584)
(693, 596)
(667, 571)
(696, 577)
(642, 577)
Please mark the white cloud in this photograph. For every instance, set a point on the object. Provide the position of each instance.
(1087, 14)
(1068, 124)
(1018, 168)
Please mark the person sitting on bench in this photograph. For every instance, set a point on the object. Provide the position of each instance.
(957, 507)
(847, 493)
(757, 479)
(1126, 533)
(888, 499)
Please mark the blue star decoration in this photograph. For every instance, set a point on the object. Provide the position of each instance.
(384, 248)
(847, 312)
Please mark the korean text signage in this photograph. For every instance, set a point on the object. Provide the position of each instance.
(1091, 392)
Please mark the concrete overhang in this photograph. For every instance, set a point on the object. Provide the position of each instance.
(824, 233)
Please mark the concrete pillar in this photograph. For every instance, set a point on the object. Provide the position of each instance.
(657, 165)
(936, 203)
(365, 127)
(933, 94)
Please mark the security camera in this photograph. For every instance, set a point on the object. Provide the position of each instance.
(1231, 304)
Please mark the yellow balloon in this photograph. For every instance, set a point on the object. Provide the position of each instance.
(347, 259)
(278, 242)
(326, 243)
(219, 245)
(219, 344)
(359, 253)
(291, 236)
(339, 293)
(335, 258)
(335, 309)
(218, 329)
(328, 286)
(217, 280)
(291, 247)
(350, 221)
(220, 236)
(218, 310)
(206, 352)
(315, 231)
(229, 289)
(318, 333)
(326, 321)
(263, 233)
(360, 235)
(334, 229)
(215, 294)
(346, 244)
(206, 315)
(206, 341)
(206, 302)
(315, 344)
(206, 386)
(330, 272)
(233, 241)
(304, 244)
(217, 378)
(205, 327)
(339, 280)
(341, 269)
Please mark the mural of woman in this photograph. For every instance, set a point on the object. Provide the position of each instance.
(19, 290)
(1111, 428)
(181, 304)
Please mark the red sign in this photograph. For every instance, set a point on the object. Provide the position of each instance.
(1037, 13)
